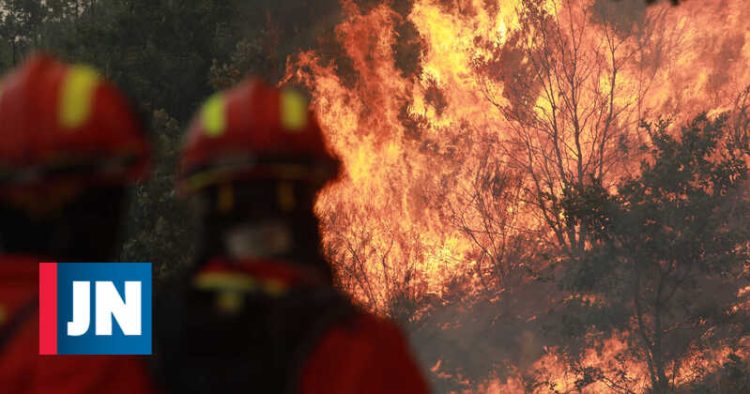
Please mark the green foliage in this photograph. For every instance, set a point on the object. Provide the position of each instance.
(587, 205)
(670, 247)
(160, 223)
(17, 18)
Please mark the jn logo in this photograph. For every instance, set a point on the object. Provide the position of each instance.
(95, 308)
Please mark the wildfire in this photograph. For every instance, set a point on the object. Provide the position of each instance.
(443, 114)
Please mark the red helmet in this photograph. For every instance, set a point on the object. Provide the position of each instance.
(63, 123)
(255, 131)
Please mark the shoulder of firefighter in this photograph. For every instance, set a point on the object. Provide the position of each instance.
(275, 327)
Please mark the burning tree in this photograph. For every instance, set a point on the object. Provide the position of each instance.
(479, 138)
(366, 264)
(568, 106)
(670, 251)
(486, 210)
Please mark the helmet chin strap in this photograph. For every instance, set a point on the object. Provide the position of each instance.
(258, 240)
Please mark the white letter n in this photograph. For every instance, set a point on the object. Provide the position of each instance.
(109, 304)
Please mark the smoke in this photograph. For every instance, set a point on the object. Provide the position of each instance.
(622, 15)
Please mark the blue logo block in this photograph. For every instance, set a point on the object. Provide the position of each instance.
(95, 308)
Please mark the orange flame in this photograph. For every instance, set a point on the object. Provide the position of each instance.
(432, 150)
(413, 144)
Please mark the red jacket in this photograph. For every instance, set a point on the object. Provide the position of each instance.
(22, 370)
(367, 355)
(373, 359)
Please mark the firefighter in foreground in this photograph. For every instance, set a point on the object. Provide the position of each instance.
(69, 146)
(261, 314)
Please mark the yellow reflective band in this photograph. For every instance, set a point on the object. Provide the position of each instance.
(293, 110)
(76, 96)
(224, 281)
(214, 115)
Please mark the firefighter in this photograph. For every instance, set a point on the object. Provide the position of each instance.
(261, 314)
(69, 145)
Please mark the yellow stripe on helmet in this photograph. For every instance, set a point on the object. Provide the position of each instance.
(293, 110)
(214, 115)
(77, 96)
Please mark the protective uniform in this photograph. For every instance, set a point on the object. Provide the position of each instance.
(63, 130)
(270, 324)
